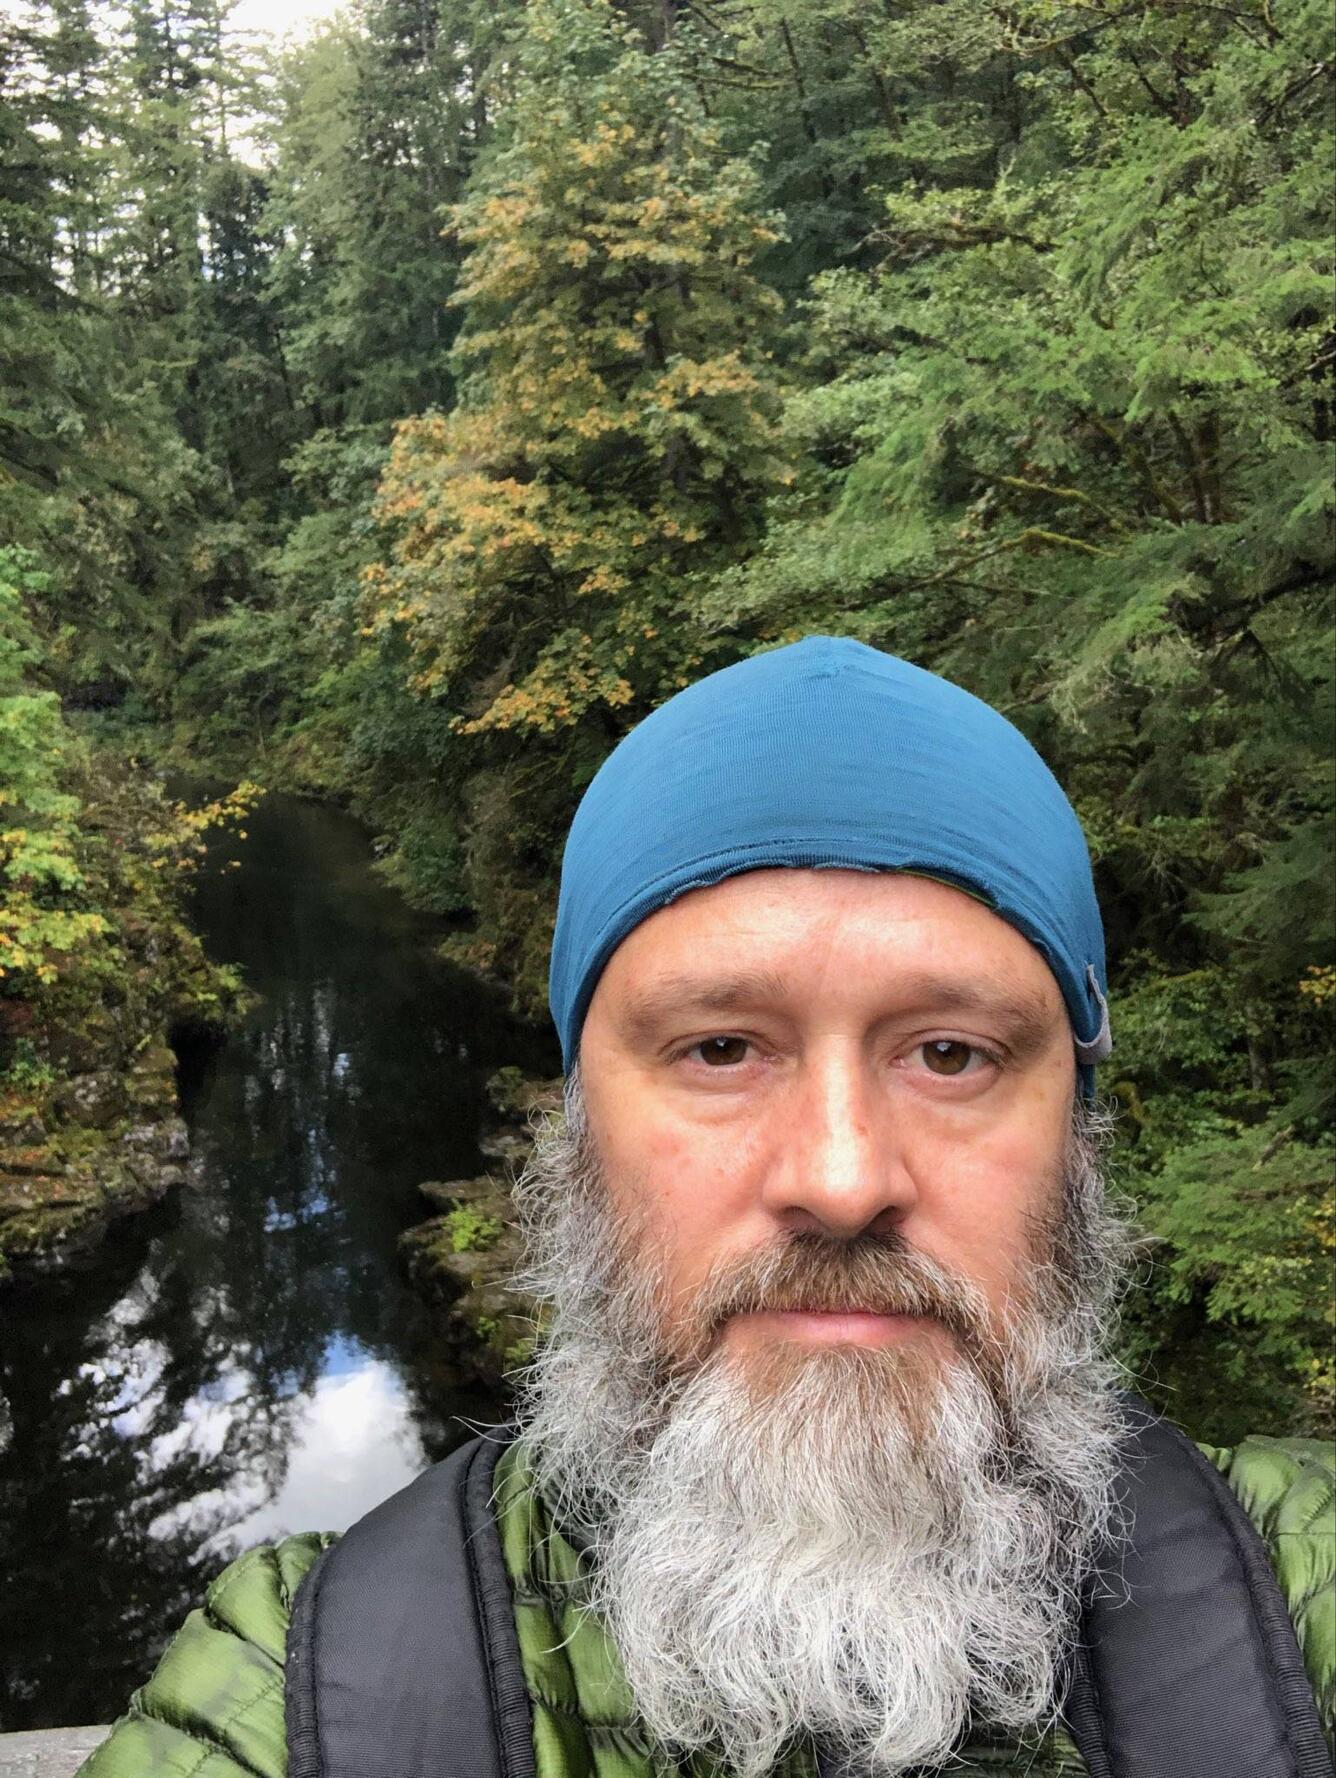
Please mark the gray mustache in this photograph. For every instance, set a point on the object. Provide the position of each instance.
(875, 1274)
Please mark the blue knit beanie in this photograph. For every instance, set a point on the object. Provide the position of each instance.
(828, 753)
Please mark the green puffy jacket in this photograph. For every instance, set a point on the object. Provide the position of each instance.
(214, 1708)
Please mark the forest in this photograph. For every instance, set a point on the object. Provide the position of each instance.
(398, 415)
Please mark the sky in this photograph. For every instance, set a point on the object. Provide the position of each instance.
(277, 17)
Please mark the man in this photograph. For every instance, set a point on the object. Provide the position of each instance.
(821, 1466)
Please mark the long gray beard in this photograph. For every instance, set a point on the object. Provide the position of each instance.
(874, 1548)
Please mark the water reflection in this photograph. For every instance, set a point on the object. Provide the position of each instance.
(357, 1442)
(353, 1440)
(248, 1361)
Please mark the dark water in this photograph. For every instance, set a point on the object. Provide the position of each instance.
(247, 1361)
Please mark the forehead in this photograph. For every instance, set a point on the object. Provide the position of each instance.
(829, 936)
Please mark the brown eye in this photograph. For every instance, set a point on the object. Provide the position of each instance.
(723, 1051)
(947, 1056)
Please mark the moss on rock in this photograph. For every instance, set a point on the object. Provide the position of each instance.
(90, 1125)
(106, 1145)
(463, 1259)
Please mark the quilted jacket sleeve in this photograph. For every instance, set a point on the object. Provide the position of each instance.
(214, 1706)
(1288, 1488)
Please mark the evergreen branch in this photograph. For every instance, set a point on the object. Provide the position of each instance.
(1220, 620)
(1140, 464)
(1070, 64)
(41, 277)
(1139, 8)
(1004, 590)
(1037, 534)
(1193, 466)
(764, 76)
(1016, 45)
(1058, 493)
(711, 24)
(888, 111)
(33, 473)
(1273, 1147)
(1289, 682)
(1031, 534)
(1270, 34)
(766, 83)
(1292, 91)
(804, 110)
(961, 238)
(1165, 106)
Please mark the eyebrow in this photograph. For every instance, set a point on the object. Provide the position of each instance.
(1027, 1017)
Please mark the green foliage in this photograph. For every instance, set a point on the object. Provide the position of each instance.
(96, 962)
(612, 445)
(555, 353)
(44, 917)
(142, 430)
(1240, 1219)
(508, 1091)
(613, 440)
(519, 1352)
(1070, 443)
(26, 1071)
(513, 1354)
(469, 1231)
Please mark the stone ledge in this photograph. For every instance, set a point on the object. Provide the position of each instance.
(49, 1753)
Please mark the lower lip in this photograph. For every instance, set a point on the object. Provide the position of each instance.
(852, 1328)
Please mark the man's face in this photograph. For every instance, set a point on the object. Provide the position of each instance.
(836, 1054)
(829, 1263)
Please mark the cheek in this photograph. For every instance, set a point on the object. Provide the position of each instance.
(978, 1200)
(690, 1186)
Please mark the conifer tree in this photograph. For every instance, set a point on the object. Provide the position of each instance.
(47, 200)
(613, 441)
(1071, 443)
(1048, 293)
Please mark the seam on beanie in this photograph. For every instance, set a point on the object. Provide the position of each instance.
(830, 662)
(820, 843)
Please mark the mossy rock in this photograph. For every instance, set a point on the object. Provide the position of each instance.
(436, 1263)
(515, 1095)
(486, 1325)
(94, 1099)
(21, 1123)
(27, 1193)
(57, 1200)
(151, 1083)
(97, 1040)
(511, 1147)
(42, 1216)
(486, 1190)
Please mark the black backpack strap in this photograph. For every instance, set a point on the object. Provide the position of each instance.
(1189, 1665)
(403, 1660)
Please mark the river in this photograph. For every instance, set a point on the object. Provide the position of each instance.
(247, 1360)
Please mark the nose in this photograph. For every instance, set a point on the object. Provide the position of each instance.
(837, 1164)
